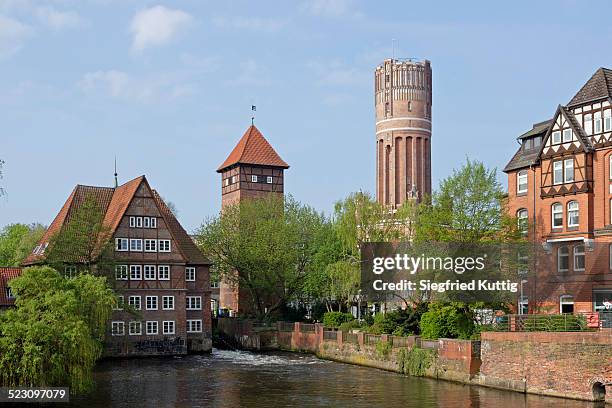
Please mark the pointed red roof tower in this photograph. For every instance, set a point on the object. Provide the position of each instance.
(252, 169)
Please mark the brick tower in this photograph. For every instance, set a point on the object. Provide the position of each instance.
(402, 91)
(253, 169)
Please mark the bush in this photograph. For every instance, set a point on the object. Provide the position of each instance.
(348, 326)
(402, 322)
(415, 361)
(335, 319)
(450, 320)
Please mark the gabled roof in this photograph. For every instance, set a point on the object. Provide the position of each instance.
(253, 148)
(525, 158)
(598, 87)
(6, 274)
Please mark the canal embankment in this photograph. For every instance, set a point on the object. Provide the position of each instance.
(568, 365)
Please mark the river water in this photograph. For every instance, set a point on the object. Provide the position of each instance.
(243, 379)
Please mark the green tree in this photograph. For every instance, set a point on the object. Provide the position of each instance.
(265, 246)
(17, 242)
(54, 335)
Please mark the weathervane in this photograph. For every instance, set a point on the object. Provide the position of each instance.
(253, 110)
(116, 181)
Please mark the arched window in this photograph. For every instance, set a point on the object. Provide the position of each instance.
(522, 220)
(563, 259)
(566, 304)
(521, 182)
(557, 215)
(572, 214)
(579, 260)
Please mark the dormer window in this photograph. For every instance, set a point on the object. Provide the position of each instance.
(527, 144)
(556, 137)
(567, 135)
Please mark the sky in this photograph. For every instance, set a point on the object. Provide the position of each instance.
(167, 88)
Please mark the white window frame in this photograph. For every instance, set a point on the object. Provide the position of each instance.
(171, 324)
(138, 222)
(556, 208)
(597, 123)
(161, 246)
(522, 221)
(269, 180)
(573, 210)
(191, 323)
(149, 272)
(234, 179)
(115, 326)
(122, 244)
(226, 182)
(135, 244)
(121, 272)
(163, 272)
(190, 273)
(197, 300)
(558, 172)
(588, 124)
(132, 222)
(151, 307)
(567, 135)
(146, 222)
(568, 164)
(254, 178)
(135, 301)
(135, 272)
(132, 328)
(556, 137)
(576, 253)
(520, 176)
(152, 324)
(153, 221)
(170, 301)
(563, 301)
(607, 120)
(150, 245)
(559, 255)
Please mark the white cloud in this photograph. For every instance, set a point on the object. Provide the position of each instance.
(250, 23)
(329, 8)
(114, 82)
(58, 19)
(12, 35)
(157, 26)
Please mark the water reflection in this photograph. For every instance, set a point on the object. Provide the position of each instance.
(242, 379)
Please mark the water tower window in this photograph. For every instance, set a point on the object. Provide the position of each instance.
(409, 106)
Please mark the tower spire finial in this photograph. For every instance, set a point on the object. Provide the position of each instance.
(253, 110)
(116, 181)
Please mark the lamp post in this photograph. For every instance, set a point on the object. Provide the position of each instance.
(359, 305)
(523, 281)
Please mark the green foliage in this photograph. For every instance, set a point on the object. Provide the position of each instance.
(335, 319)
(353, 324)
(17, 242)
(447, 320)
(415, 361)
(383, 349)
(401, 322)
(54, 335)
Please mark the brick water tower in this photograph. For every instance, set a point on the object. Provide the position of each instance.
(402, 89)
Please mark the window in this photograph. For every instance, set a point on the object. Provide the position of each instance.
(146, 222)
(269, 179)
(226, 182)
(608, 120)
(588, 124)
(135, 272)
(121, 272)
(138, 222)
(522, 220)
(579, 260)
(572, 214)
(521, 181)
(597, 122)
(151, 302)
(117, 328)
(567, 135)
(70, 271)
(556, 137)
(168, 326)
(163, 272)
(523, 305)
(558, 172)
(234, 179)
(253, 178)
(134, 301)
(119, 303)
(153, 222)
(563, 259)
(569, 170)
(527, 144)
(168, 302)
(9, 293)
(214, 284)
(135, 328)
(164, 245)
(566, 304)
(190, 273)
(136, 245)
(132, 222)
(194, 326)
(536, 141)
(121, 244)
(194, 302)
(149, 272)
(557, 215)
(150, 245)
(152, 327)
(602, 300)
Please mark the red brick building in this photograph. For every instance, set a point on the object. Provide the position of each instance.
(253, 169)
(7, 299)
(560, 189)
(158, 271)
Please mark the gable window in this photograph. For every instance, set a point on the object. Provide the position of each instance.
(588, 124)
(152, 327)
(558, 172)
(134, 301)
(117, 328)
(121, 244)
(132, 222)
(168, 303)
(521, 216)
(521, 181)
(164, 245)
(169, 327)
(597, 122)
(569, 170)
(567, 135)
(557, 215)
(572, 214)
(163, 272)
(269, 179)
(579, 260)
(190, 273)
(153, 222)
(146, 222)
(563, 259)
(135, 272)
(149, 272)
(556, 137)
(150, 245)
(136, 244)
(135, 328)
(194, 326)
(193, 302)
(607, 120)
(253, 178)
(151, 302)
(121, 272)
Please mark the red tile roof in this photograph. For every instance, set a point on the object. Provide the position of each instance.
(253, 148)
(6, 274)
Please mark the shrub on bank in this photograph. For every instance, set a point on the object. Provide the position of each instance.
(447, 320)
(335, 319)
